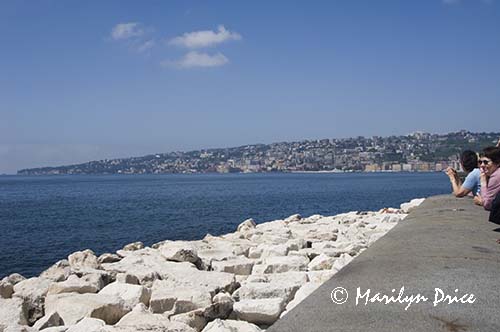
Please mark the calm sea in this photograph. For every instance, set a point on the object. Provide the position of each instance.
(43, 219)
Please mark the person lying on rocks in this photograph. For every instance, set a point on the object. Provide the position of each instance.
(472, 183)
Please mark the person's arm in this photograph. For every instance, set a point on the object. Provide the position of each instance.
(458, 189)
(478, 200)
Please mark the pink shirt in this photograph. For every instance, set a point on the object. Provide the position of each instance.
(492, 188)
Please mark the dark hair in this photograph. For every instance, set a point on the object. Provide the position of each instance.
(493, 153)
(468, 159)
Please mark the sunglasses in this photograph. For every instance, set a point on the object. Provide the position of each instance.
(484, 161)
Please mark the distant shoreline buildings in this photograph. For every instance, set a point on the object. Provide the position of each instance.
(416, 152)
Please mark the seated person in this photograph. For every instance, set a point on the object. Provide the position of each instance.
(472, 183)
(489, 162)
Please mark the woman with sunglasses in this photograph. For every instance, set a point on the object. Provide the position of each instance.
(489, 163)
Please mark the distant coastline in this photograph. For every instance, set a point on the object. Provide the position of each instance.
(417, 152)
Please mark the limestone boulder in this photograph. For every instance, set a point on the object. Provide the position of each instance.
(342, 261)
(260, 312)
(18, 328)
(72, 307)
(56, 329)
(82, 260)
(13, 312)
(180, 251)
(14, 278)
(131, 295)
(49, 320)
(60, 271)
(293, 218)
(141, 317)
(6, 289)
(301, 294)
(88, 324)
(321, 276)
(176, 298)
(239, 266)
(194, 319)
(407, 207)
(108, 258)
(219, 325)
(321, 262)
(90, 283)
(147, 265)
(126, 278)
(33, 292)
(287, 278)
(246, 225)
(134, 246)
(277, 264)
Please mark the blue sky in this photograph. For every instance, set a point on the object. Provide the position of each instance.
(86, 80)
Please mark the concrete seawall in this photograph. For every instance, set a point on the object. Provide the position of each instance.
(446, 243)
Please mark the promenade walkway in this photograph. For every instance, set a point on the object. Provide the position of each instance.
(446, 243)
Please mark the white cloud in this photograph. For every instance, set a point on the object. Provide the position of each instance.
(126, 30)
(197, 59)
(147, 45)
(206, 38)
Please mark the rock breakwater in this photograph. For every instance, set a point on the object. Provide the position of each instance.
(242, 281)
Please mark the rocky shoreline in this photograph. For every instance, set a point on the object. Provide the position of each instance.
(242, 281)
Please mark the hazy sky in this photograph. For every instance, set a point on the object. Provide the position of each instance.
(86, 80)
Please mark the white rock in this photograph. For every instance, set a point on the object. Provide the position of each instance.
(134, 246)
(274, 250)
(246, 225)
(130, 294)
(18, 328)
(195, 319)
(321, 262)
(90, 283)
(407, 207)
(108, 258)
(265, 290)
(279, 264)
(148, 265)
(222, 297)
(33, 291)
(231, 326)
(301, 294)
(14, 278)
(321, 276)
(83, 260)
(178, 298)
(140, 316)
(49, 320)
(72, 307)
(88, 325)
(12, 312)
(127, 278)
(179, 251)
(60, 271)
(342, 261)
(56, 329)
(240, 266)
(293, 218)
(260, 312)
(6, 289)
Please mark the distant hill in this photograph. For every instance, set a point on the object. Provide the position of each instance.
(414, 152)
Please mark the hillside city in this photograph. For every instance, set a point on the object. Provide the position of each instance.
(416, 152)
